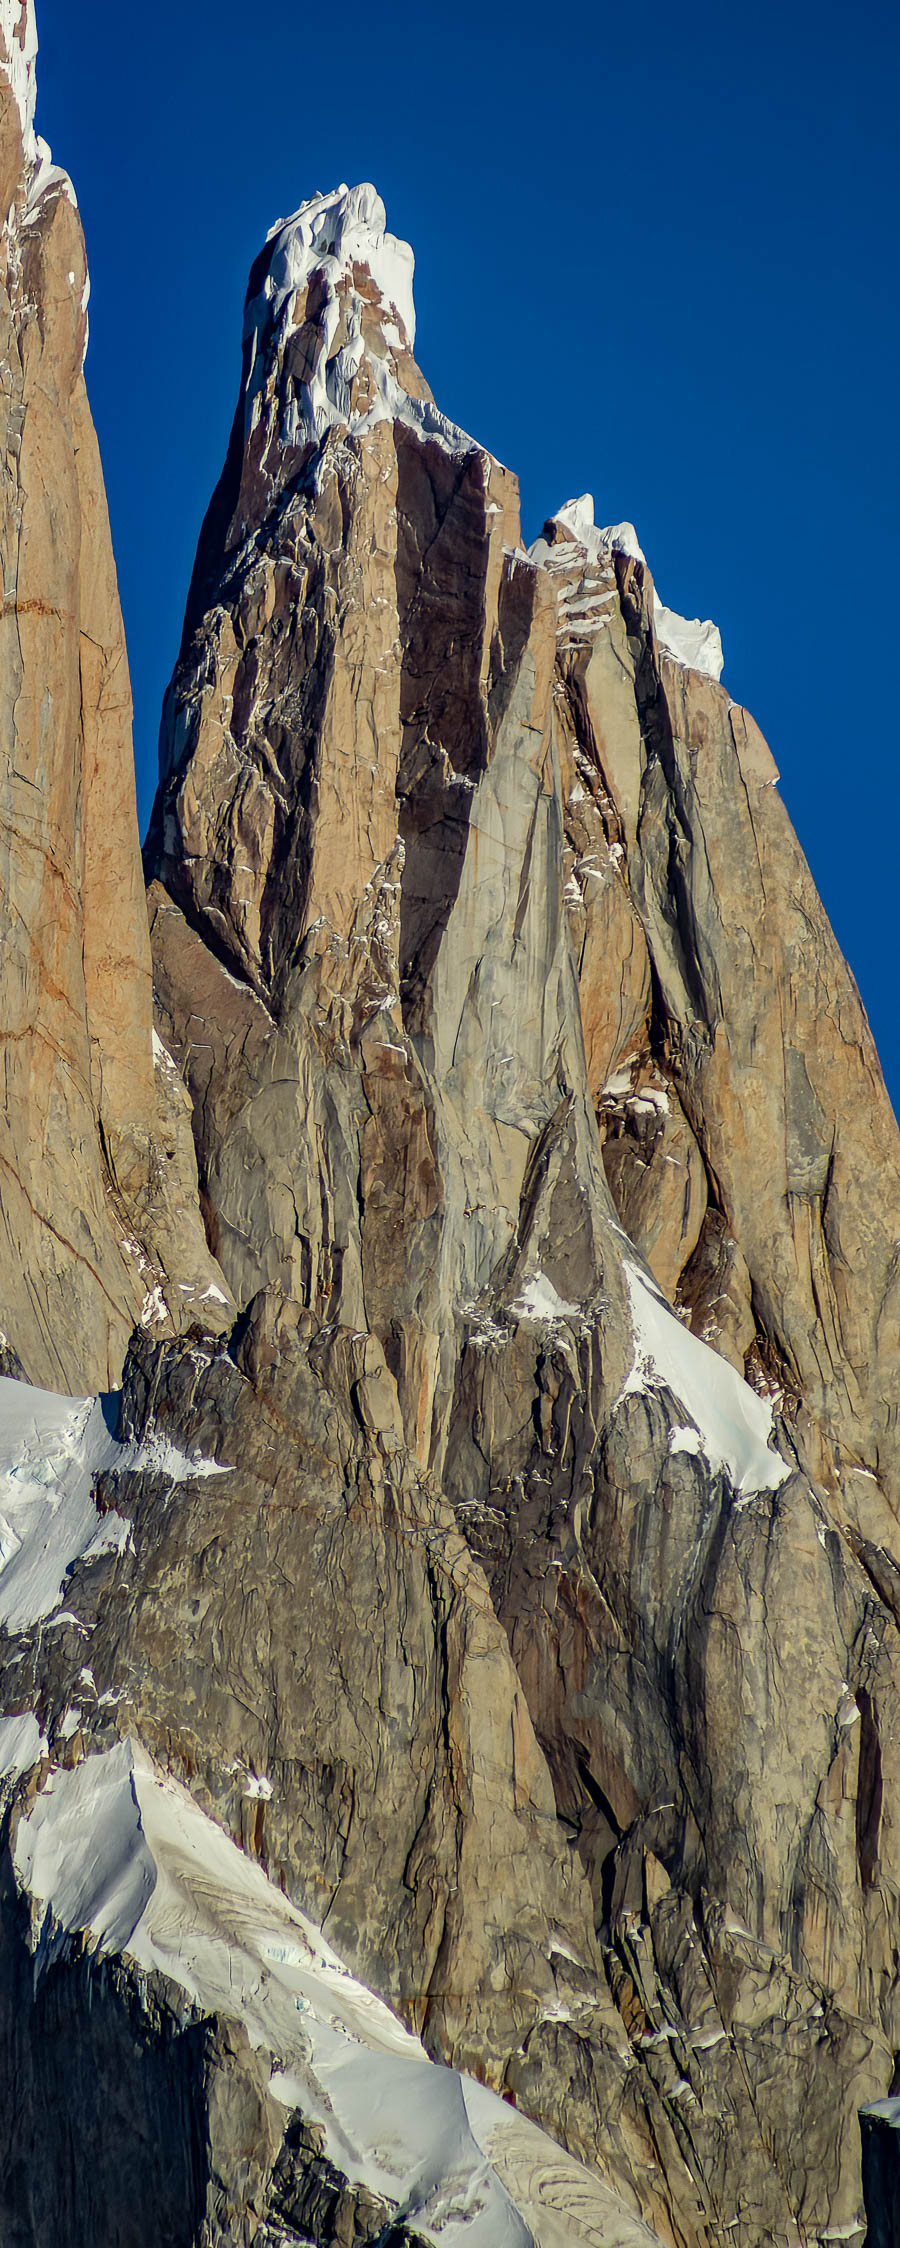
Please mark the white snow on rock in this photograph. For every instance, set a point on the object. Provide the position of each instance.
(577, 516)
(333, 233)
(52, 1449)
(887, 2111)
(22, 1744)
(163, 1059)
(695, 644)
(540, 1300)
(18, 27)
(733, 1425)
(121, 1853)
(339, 239)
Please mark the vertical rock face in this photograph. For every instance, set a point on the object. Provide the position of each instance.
(514, 1576)
(81, 1109)
(360, 819)
(744, 1015)
(494, 970)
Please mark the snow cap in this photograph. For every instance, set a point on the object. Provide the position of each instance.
(334, 267)
(334, 233)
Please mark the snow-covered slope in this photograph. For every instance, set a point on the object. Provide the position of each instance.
(52, 1451)
(730, 1425)
(118, 1851)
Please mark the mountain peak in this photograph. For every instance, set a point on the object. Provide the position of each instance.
(329, 327)
(334, 235)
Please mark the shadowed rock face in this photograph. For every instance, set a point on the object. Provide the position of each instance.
(881, 2172)
(533, 1109)
(85, 2077)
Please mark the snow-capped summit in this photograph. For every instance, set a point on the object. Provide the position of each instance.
(329, 327)
(334, 235)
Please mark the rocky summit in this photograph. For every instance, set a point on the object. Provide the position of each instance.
(450, 1400)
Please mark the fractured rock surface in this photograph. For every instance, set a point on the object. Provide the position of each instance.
(495, 1536)
(81, 1108)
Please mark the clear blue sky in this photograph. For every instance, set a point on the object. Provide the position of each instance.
(656, 259)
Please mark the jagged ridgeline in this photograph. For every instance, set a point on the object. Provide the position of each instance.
(449, 1463)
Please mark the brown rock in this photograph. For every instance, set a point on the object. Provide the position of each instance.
(79, 1132)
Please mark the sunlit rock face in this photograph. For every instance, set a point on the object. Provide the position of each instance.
(495, 1568)
(92, 1149)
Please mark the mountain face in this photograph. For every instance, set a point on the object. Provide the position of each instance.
(470, 1634)
(89, 1219)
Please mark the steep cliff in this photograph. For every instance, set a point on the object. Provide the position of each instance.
(509, 1590)
(88, 1130)
(531, 961)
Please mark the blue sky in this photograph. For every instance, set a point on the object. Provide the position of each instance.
(656, 259)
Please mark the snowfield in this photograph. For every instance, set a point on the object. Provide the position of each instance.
(52, 1450)
(120, 1852)
(731, 1426)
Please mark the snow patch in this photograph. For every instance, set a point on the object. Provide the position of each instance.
(19, 28)
(22, 1744)
(157, 1455)
(154, 1307)
(162, 1057)
(686, 1440)
(617, 538)
(332, 234)
(733, 1426)
(540, 1300)
(52, 1451)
